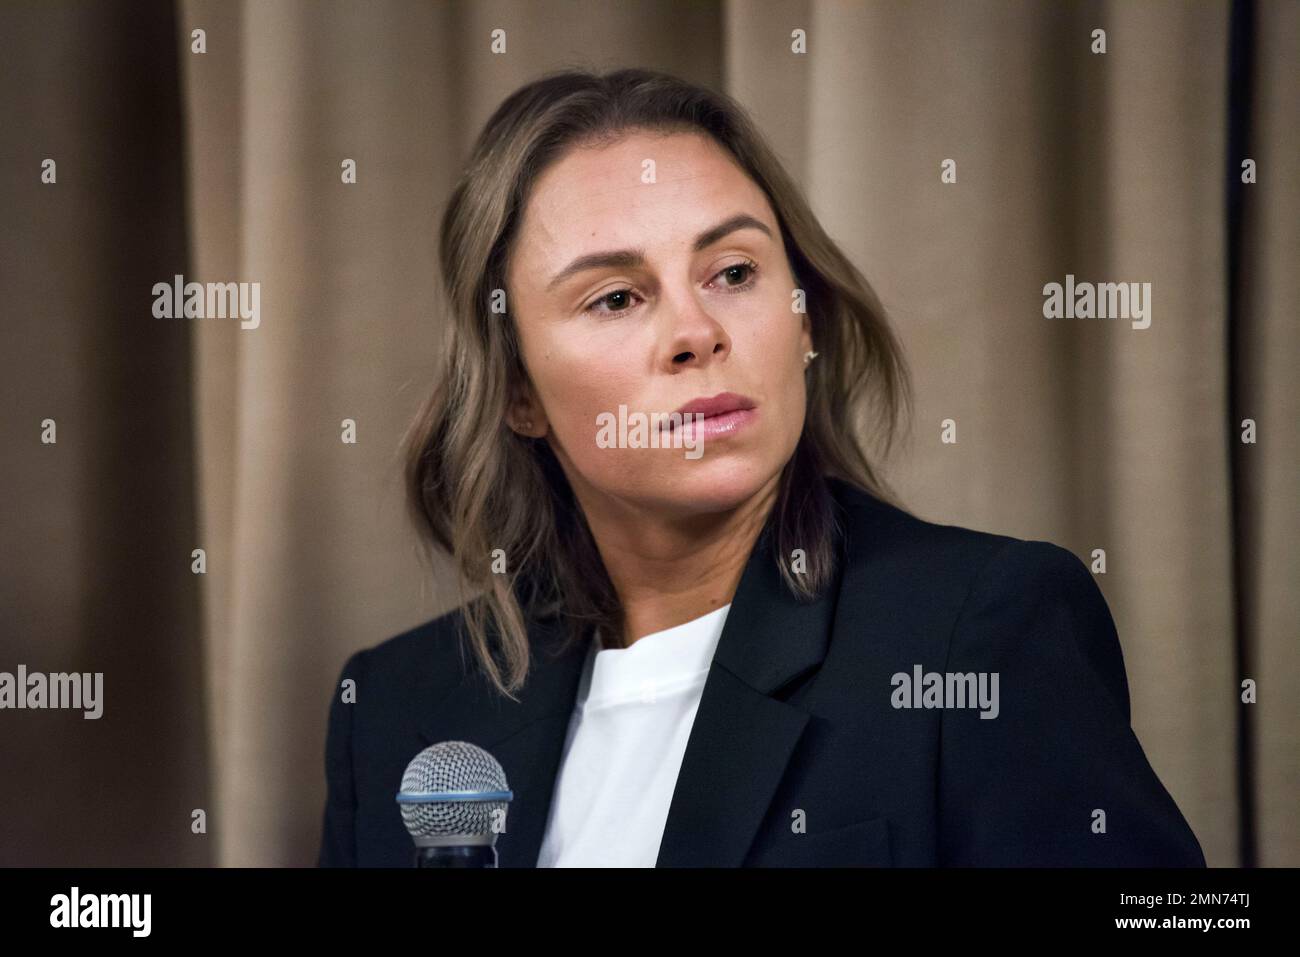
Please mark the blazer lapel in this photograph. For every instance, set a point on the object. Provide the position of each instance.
(743, 737)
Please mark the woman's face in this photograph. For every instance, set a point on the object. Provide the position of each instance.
(667, 308)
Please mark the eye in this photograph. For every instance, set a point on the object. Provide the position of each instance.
(621, 294)
(748, 268)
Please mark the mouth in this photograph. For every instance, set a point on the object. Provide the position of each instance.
(723, 413)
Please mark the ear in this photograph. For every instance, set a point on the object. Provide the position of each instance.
(524, 414)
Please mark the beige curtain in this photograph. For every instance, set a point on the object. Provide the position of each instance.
(225, 166)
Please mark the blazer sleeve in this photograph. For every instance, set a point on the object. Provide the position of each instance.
(1057, 778)
(338, 837)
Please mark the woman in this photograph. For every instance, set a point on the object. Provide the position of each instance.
(715, 639)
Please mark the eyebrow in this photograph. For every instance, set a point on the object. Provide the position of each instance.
(630, 258)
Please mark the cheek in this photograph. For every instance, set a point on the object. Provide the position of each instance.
(776, 342)
(781, 350)
(774, 327)
(576, 388)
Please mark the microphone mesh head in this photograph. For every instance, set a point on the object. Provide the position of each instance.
(452, 766)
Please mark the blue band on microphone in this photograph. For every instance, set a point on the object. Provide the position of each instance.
(430, 797)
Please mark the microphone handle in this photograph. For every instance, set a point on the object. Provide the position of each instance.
(473, 855)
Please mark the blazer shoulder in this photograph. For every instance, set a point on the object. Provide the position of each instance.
(991, 594)
(880, 532)
(896, 556)
(429, 656)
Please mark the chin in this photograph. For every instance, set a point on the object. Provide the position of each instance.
(714, 486)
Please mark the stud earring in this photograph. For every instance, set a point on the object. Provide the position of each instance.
(809, 357)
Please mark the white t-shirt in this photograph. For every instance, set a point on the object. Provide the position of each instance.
(630, 724)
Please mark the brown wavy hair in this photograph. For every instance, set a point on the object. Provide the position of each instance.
(474, 485)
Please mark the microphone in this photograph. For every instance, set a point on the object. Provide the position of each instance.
(453, 799)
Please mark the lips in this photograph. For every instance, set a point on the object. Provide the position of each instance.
(728, 406)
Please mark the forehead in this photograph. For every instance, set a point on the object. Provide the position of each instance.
(598, 197)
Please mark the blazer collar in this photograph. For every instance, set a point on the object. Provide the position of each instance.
(740, 743)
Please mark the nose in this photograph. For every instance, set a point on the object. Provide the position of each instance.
(694, 337)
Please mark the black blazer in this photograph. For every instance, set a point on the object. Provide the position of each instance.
(797, 720)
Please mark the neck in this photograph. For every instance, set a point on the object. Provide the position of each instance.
(670, 570)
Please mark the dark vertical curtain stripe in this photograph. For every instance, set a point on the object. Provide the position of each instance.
(1240, 98)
